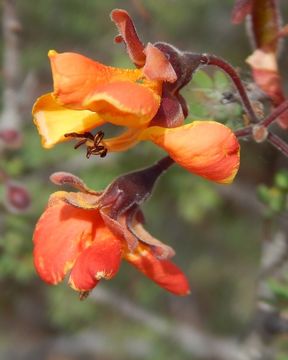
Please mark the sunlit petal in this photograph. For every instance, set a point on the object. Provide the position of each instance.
(54, 120)
(124, 141)
(124, 103)
(61, 235)
(163, 272)
(205, 148)
(99, 261)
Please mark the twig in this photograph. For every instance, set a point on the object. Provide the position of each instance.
(278, 143)
(10, 117)
(189, 338)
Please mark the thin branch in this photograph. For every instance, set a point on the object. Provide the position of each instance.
(280, 110)
(245, 132)
(208, 59)
(189, 338)
(278, 143)
(10, 117)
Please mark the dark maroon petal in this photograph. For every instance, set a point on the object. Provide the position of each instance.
(265, 24)
(170, 113)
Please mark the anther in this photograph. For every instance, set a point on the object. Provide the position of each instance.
(97, 148)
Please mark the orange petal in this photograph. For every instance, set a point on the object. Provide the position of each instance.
(163, 272)
(157, 66)
(54, 120)
(100, 260)
(120, 96)
(124, 141)
(75, 76)
(61, 235)
(205, 148)
(124, 103)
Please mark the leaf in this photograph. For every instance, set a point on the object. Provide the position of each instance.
(221, 81)
(279, 290)
(263, 193)
(202, 80)
(281, 180)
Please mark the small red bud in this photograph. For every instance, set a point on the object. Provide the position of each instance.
(17, 197)
(259, 133)
(11, 138)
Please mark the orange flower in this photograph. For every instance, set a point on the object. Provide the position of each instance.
(87, 94)
(146, 100)
(91, 236)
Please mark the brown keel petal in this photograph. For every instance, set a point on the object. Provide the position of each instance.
(129, 35)
(65, 178)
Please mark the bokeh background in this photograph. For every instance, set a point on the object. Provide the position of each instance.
(215, 230)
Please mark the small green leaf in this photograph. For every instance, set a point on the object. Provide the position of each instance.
(281, 180)
(202, 80)
(278, 289)
(277, 200)
(263, 194)
(221, 81)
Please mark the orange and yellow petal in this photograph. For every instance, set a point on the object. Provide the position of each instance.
(163, 272)
(124, 103)
(206, 148)
(120, 96)
(75, 76)
(61, 235)
(99, 261)
(53, 120)
(124, 141)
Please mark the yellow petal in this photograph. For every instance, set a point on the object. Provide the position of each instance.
(54, 120)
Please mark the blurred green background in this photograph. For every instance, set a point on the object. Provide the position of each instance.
(215, 230)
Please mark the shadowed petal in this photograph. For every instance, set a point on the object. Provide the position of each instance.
(99, 261)
(129, 35)
(162, 272)
(265, 24)
(157, 66)
(65, 178)
(266, 75)
(61, 234)
(53, 120)
(170, 113)
(205, 148)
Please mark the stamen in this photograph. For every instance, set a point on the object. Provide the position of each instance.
(96, 149)
(83, 295)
